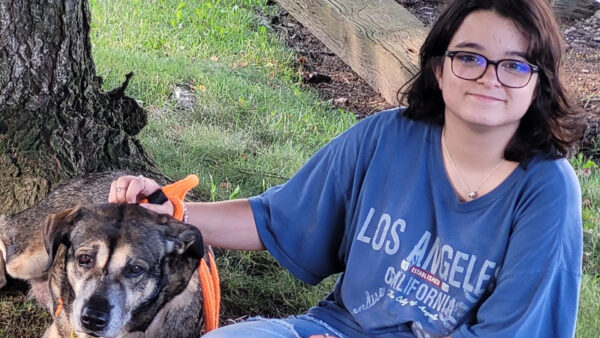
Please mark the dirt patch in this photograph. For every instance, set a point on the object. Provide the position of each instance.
(582, 71)
(325, 72)
(336, 81)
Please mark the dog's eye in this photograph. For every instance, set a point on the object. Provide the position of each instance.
(84, 259)
(135, 270)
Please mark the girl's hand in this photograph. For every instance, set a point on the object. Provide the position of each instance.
(133, 189)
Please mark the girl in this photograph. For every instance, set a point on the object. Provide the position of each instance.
(456, 216)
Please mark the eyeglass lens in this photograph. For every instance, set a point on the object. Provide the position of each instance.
(471, 66)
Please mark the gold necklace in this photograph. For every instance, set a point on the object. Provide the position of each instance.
(471, 193)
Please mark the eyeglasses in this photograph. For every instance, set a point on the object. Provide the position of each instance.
(509, 72)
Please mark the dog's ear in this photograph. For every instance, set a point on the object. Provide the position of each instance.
(188, 240)
(57, 230)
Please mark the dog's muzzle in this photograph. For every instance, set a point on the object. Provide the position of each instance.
(95, 315)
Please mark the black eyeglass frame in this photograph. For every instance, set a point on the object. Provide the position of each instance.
(452, 54)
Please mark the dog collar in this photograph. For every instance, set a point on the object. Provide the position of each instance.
(58, 307)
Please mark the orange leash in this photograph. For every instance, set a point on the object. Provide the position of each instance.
(211, 292)
(209, 276)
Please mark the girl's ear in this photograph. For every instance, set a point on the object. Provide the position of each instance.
(538, 88)
(438, 68)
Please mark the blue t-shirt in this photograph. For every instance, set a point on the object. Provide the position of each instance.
(375, 204)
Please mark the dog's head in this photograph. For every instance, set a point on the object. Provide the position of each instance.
(120, 265)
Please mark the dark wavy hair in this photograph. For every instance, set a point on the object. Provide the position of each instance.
(551, 126)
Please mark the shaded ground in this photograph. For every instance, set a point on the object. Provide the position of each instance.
(337, 82)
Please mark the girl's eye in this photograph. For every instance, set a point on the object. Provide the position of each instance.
(84, 260)
(470, 59)
(517, 67)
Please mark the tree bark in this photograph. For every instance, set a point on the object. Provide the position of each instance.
(55, 120)
(574, 9)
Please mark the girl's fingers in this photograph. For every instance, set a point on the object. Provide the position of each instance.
(121, 187)
(135, 190)
(112, 195)
(131, 189)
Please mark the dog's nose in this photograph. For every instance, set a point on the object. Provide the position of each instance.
(93, 319)
(96, 314)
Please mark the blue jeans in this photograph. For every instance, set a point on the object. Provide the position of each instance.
(291, 327)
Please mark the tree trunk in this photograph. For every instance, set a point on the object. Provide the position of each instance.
(55, 121)
(574, 9)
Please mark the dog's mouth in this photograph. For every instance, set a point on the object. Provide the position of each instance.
(91, 333)
(93, 330)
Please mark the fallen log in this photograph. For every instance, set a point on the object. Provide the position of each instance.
(379, 39)
(575, 9)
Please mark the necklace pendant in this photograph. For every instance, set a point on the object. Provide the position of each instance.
(472, 194)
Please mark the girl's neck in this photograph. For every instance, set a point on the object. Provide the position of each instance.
(474, 158)
(476, 148)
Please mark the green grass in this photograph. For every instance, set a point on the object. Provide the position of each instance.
(254, 284)
(588, 321)
(20, 316)
(252, 127)
(589, 178)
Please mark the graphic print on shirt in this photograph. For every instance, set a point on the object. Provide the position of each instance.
(438, 280)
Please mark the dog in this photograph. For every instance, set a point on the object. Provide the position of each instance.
(21, 235)
(103, 269)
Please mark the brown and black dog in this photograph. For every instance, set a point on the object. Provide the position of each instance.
(106, 270)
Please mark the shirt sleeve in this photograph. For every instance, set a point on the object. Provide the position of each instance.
(302, 222)
(537, 288)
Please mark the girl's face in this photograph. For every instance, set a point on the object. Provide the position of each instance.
(486, 103)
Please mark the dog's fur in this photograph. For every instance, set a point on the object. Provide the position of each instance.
(118, 270)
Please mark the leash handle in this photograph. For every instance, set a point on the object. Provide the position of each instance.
(157, 197)
(175, 193)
